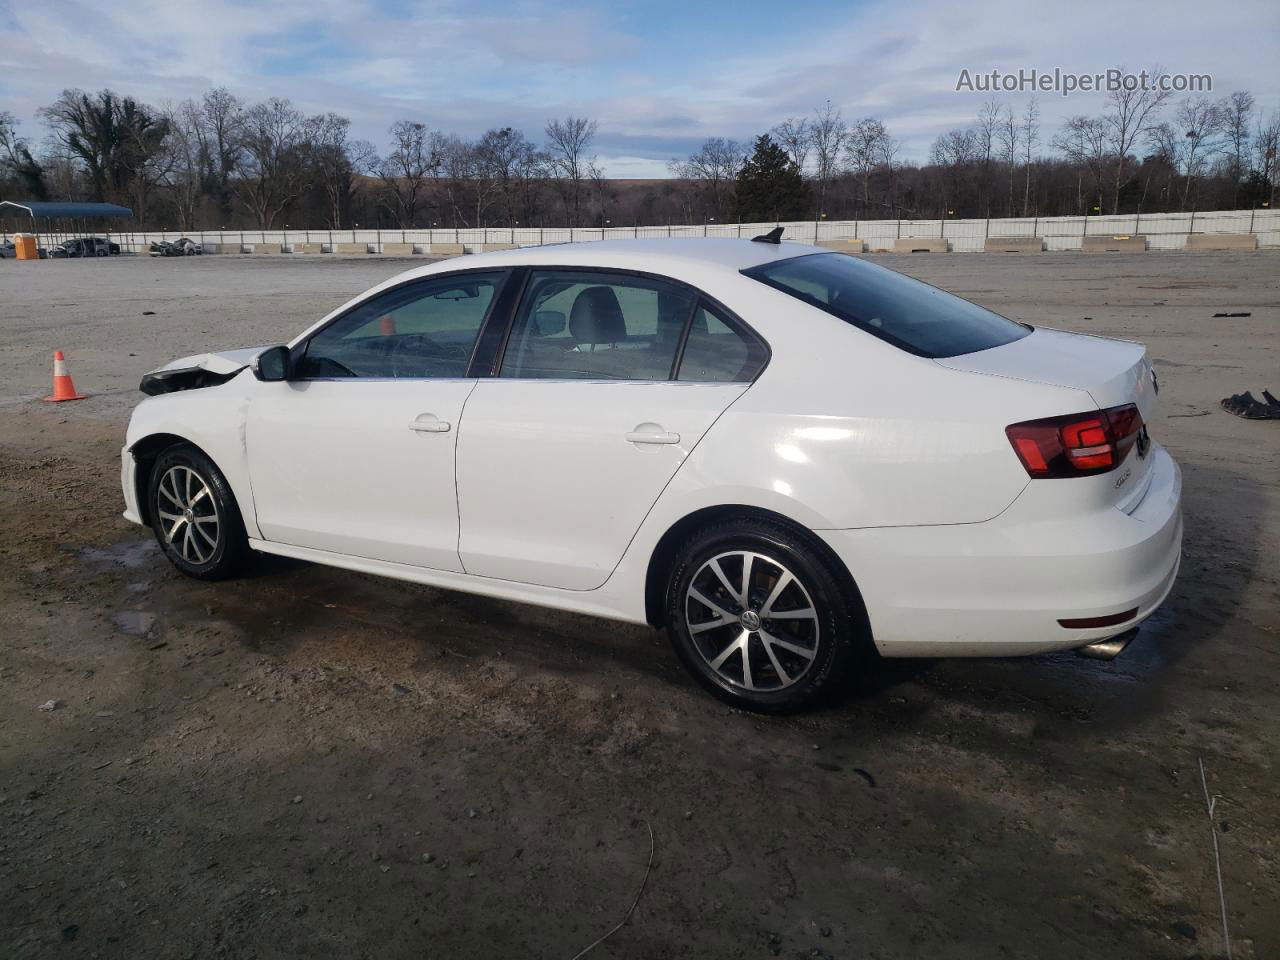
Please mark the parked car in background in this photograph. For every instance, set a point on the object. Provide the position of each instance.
(790, 458)
(85, 247)
(182, 247)
(9, 252)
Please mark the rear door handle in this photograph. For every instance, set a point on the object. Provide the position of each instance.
(429, 423)
(644, 436)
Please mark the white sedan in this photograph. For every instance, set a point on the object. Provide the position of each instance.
(791, 459)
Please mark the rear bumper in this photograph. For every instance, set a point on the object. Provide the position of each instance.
(999, 588)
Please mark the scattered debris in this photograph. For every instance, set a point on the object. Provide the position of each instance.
(50, 705)
(1248, 406)
(103, 764)
(865, 776)
(1185, 930)
(297, 799)
(1246, 314)
(148, 313)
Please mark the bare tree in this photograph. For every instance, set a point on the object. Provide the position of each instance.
(119, 141)
(984, 131)
(1007, 136)
(339, 163)
(16, 161)
(1030, 140)
(796, 137)
(275, 159)
(568, 146)
(186, 168)
(1266, 151)
(828, 134)
(954, 153)
(1085, 142)
(1129, 116)
(502, 152)
(869, 148)
(220, 131)
(1237, 116)
(716, 163)
(1199, 122)
(407, 170)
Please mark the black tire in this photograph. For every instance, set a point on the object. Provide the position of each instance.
(189, 548)
(837, 633)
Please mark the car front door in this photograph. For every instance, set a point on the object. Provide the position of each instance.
(354, 454)
(590, 415)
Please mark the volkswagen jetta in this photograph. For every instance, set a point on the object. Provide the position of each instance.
(789, 458)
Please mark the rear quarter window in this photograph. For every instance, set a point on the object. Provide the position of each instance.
(908, 313)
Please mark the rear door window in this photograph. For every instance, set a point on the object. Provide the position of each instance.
(912, 315)
(589, 325)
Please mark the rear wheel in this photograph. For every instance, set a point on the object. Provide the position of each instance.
(194, 515)
(759, 618)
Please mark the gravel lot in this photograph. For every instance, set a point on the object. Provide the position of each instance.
(313, 762)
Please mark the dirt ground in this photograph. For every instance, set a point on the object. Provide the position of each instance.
(309, 762)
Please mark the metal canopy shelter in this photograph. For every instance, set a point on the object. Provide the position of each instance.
(38, 209)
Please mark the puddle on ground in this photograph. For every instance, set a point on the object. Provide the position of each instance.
(131, 555)
(136, 623)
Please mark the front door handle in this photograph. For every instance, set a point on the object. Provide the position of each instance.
(654, 434)
(429, 423)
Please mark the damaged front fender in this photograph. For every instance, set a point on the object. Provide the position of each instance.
(196, 372)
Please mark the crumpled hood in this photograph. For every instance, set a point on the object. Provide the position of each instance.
(223, 363)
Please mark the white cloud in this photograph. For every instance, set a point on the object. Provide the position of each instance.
(458, 67)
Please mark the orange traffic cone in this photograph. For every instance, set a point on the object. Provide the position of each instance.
(63, 388)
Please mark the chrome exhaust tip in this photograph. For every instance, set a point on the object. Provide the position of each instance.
(1108, 649)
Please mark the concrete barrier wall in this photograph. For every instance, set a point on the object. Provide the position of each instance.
(351, 248)
(1221, 241)
(398, 249)
(1163, 231)
(1013, 245)
(921, 245)
(448, 249)
(843, 245)
(1121, 244)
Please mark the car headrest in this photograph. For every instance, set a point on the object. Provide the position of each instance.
(596, 317)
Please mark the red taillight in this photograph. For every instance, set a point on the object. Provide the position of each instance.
(1076, 445)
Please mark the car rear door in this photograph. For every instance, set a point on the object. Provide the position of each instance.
(354, 454)
(564, 451)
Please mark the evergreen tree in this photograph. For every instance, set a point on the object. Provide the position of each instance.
(769, 185)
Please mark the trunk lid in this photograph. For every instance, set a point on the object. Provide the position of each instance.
(1112, 372)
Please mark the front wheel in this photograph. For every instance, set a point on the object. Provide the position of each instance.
(760, 619)
(194, 515)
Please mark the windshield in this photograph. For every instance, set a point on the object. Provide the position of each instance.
(915, 316)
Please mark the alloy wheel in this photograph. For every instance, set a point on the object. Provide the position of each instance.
(190, 519)
(752, 620)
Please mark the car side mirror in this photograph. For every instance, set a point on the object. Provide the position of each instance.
(272, 364)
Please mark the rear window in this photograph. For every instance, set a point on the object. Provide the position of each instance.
(909, 314)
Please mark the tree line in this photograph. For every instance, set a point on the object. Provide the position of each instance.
(218, 161)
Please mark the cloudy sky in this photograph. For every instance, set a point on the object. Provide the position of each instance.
(658, 76)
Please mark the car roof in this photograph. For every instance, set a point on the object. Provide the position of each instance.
(664, 255)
